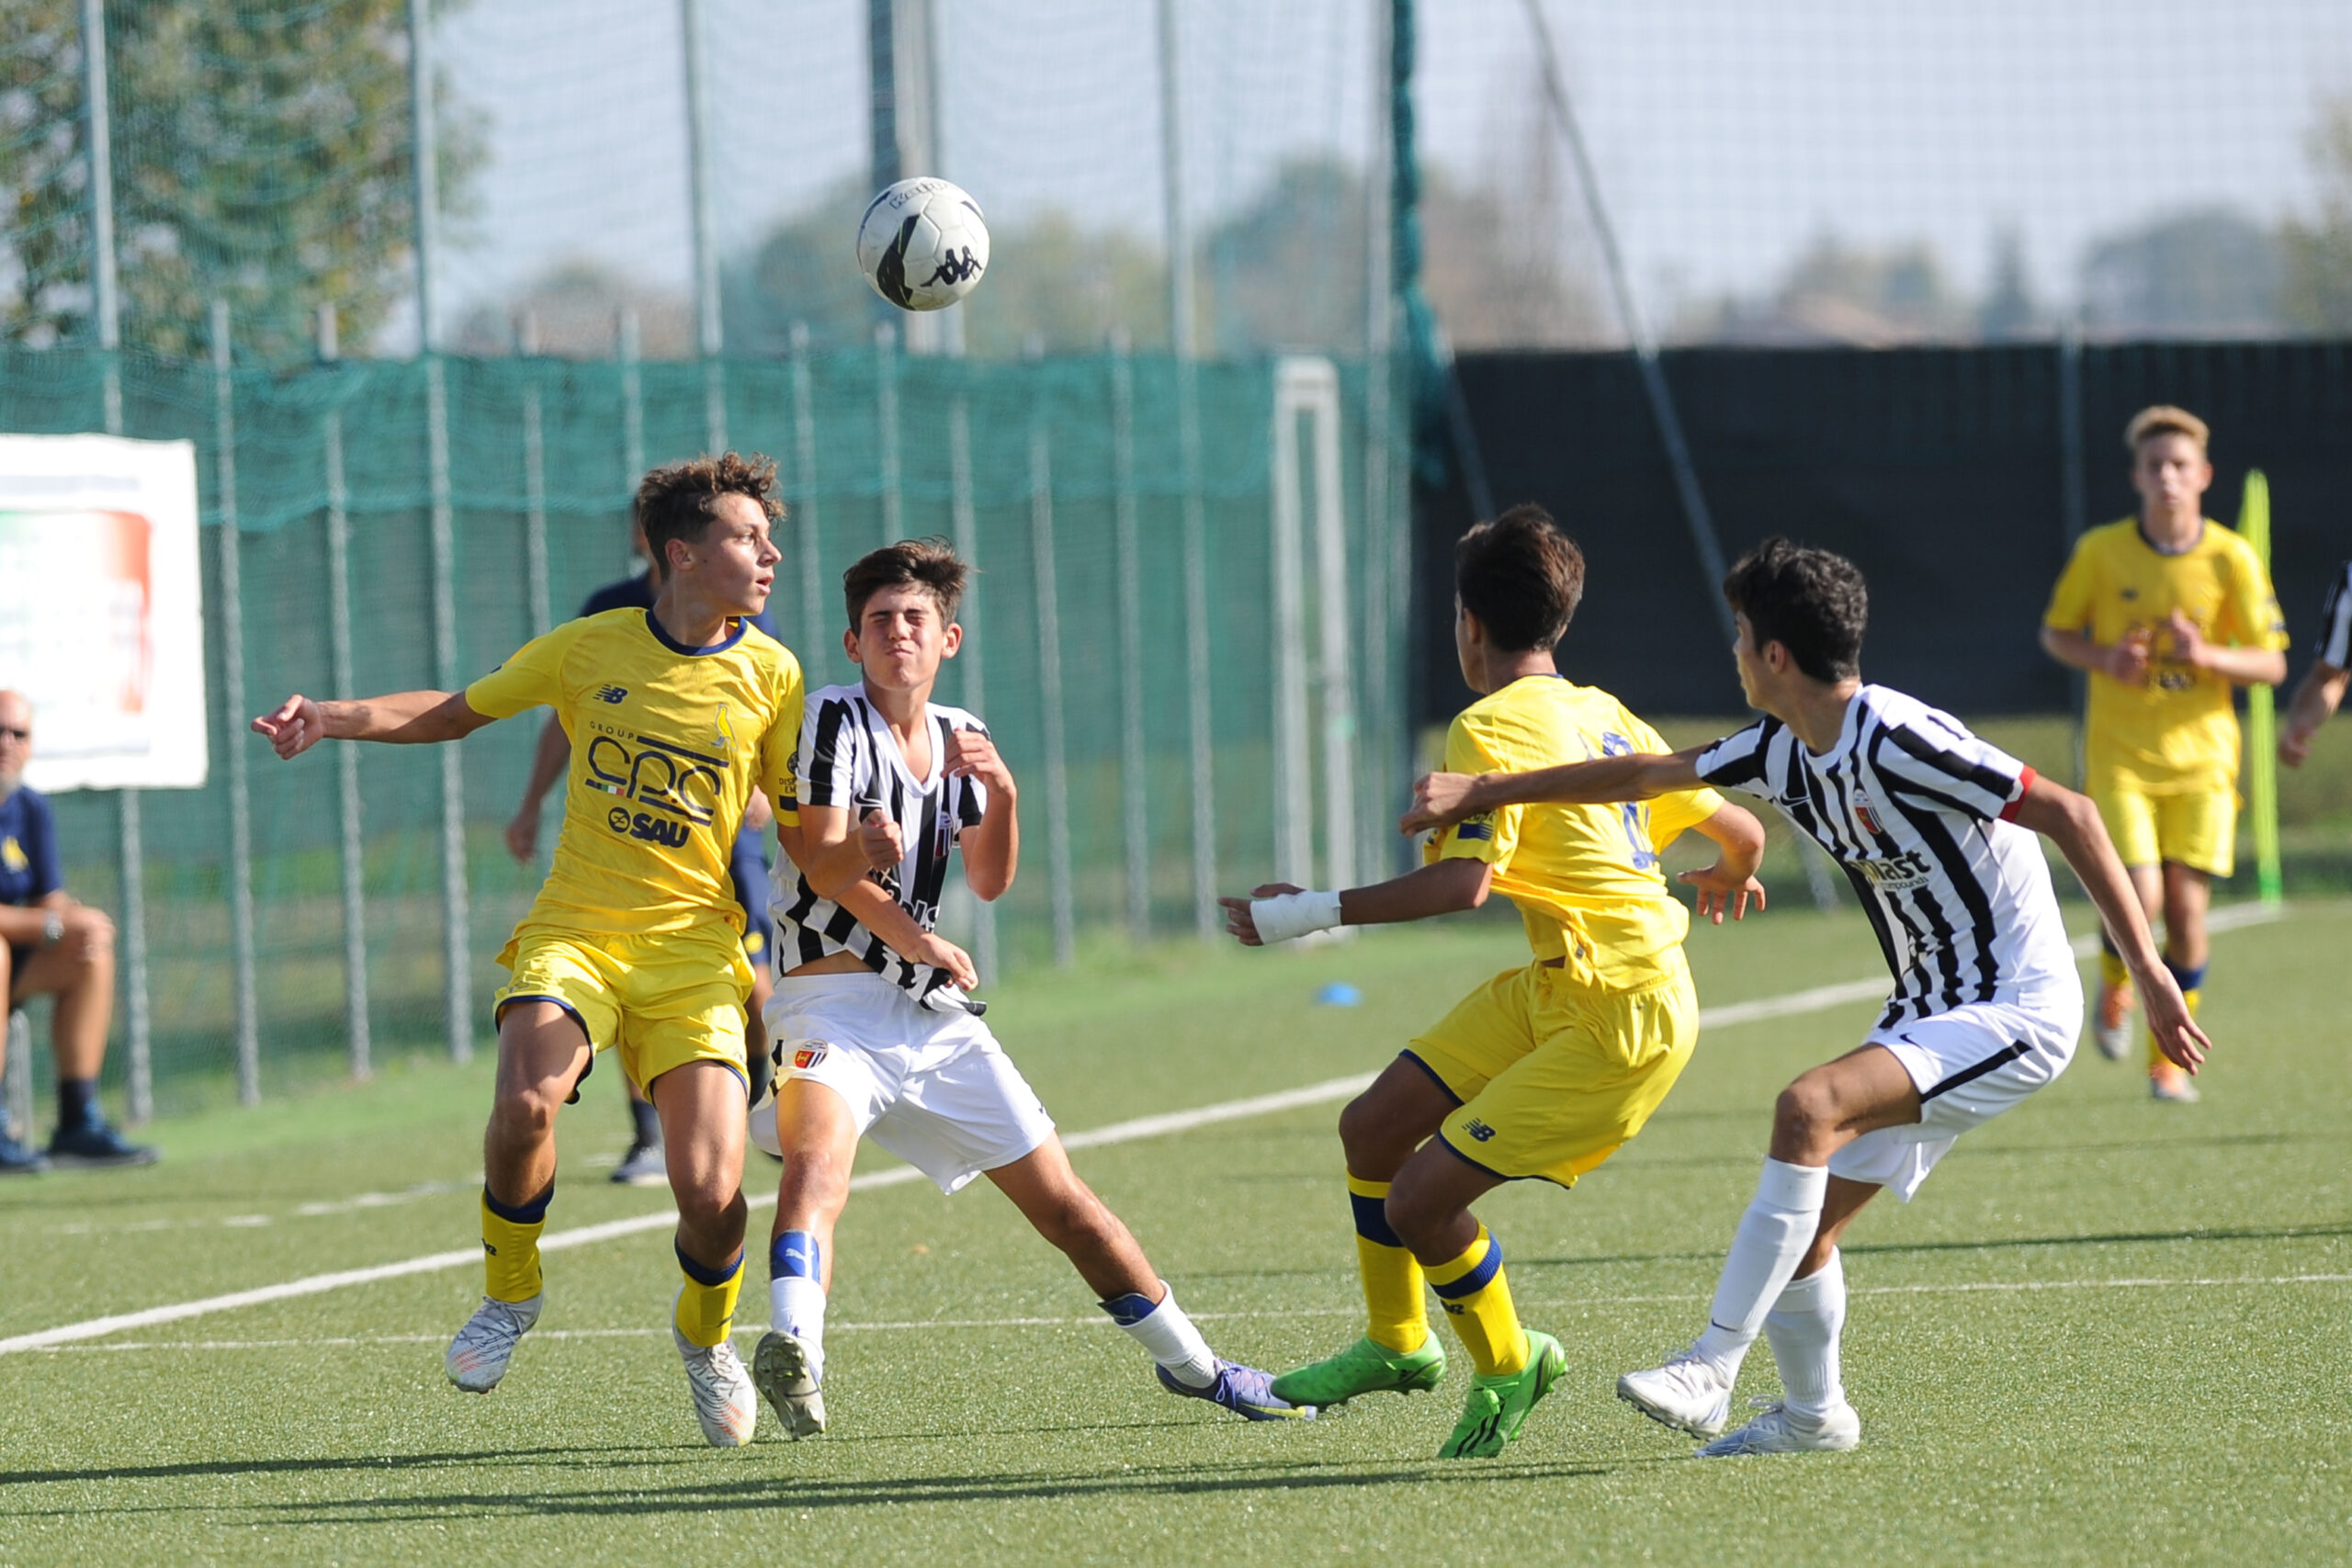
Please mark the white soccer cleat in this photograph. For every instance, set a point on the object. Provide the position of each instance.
(787, 1373)
(1686, 1394)
(2111, 1022)
(725, 1402)
(1777, 1431)
(478, 1356)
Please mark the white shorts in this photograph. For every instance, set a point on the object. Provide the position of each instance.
(933, 1088)
(1969, 1065)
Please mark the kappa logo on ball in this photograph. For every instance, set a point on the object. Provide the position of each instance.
(809, 1056)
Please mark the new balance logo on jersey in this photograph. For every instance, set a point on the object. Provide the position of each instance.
(651, 828)
(611, 694)
(1479, 1130)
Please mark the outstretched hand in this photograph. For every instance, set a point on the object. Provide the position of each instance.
(1439, 800)
(296, 727)
(879, 839)
(2176, 1033)
(1238, 922)
(1721, 891)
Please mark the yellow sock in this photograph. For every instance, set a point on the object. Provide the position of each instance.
(706, 1308)
(1395, 1314)
(2111, 972)
(510, 1245)
(1477, 1298)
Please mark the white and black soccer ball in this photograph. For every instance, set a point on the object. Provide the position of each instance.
(923, 244)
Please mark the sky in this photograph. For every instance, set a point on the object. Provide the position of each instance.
(1728, 134)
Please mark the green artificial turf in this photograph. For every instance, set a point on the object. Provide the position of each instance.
(2109, 1331)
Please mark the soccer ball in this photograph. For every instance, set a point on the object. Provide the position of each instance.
(923, 244)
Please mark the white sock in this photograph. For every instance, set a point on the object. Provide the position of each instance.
(1803, 1329)
(796, 1305)
(1764, 1252)
(1162, 1328)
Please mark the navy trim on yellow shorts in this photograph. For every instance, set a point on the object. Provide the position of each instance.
(1443, 1087)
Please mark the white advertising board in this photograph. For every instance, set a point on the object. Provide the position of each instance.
(102, 609)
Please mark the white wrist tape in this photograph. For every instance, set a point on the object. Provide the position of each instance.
(1294, 915)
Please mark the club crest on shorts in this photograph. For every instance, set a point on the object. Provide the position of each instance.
(809, 1056)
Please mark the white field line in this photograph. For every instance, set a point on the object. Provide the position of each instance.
(910, 1326)
(1815, 1000)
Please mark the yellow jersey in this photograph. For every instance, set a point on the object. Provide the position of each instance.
(1586, 878)
(667, 743)
(2177, 727)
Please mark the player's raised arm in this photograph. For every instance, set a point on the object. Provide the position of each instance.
(1439, 800)
(402, 719)
(993, 845)
(2072, 822)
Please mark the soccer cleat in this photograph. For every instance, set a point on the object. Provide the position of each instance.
(1498, 1405)
(1685, 1393)
(1778, 1431)
(784, 1371)
(2111, 1022)
(1365, 1367)
(17, 1160)
(1245, 1390)
(478, 1356)
(95, 1144)
(725, 1402)
(2171, 1083)
(644, 1165)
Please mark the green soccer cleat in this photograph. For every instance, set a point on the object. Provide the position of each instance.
(1365, 1367)
(1498, 1405)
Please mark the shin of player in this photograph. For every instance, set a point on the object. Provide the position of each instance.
(1934, 828)
(875, 1028)
(675, 715)
(1548, 1069)
(2169, 613)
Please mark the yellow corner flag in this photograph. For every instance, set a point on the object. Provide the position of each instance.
(2262, 721)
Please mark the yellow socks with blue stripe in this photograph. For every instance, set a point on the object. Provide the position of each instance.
(1477, 1298)
(2111, 971)
(510, 1246)
(2192, 986)
(706, 1309)
(1396, 1315)
(796, 1292)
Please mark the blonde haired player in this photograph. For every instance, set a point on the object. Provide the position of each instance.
(635, 942)
(1545, 1070)
(2169, 613)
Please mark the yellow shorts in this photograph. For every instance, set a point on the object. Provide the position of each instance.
(1551, 1078)
(664, 999)
(2196, 826)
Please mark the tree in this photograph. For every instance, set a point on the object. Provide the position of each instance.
(2205, 272)
(2316, 292)
(576, 306)
(262, 156)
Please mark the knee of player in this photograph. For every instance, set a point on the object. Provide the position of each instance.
(529, 1112)
(710, 1201)
(1806, 1109)
(1365, 1134)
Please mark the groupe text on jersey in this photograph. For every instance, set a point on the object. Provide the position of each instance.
(1916, 810)
(848, 759)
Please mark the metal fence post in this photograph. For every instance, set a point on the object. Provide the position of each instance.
(804, 451)
(967, 525)
(886, 424)
(535, 479)
(1049, 688)
(710, 329)
(232, 701)
(1133, 765)
(353, 852)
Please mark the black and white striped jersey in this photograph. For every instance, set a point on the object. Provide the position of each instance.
(2335, 621)
(1914, 810)
(849, 759)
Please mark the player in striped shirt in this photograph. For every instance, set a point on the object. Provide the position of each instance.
(875, 1025)
(2323, 685)
(1932, 825)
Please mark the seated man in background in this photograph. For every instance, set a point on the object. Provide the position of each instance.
(57, 947)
